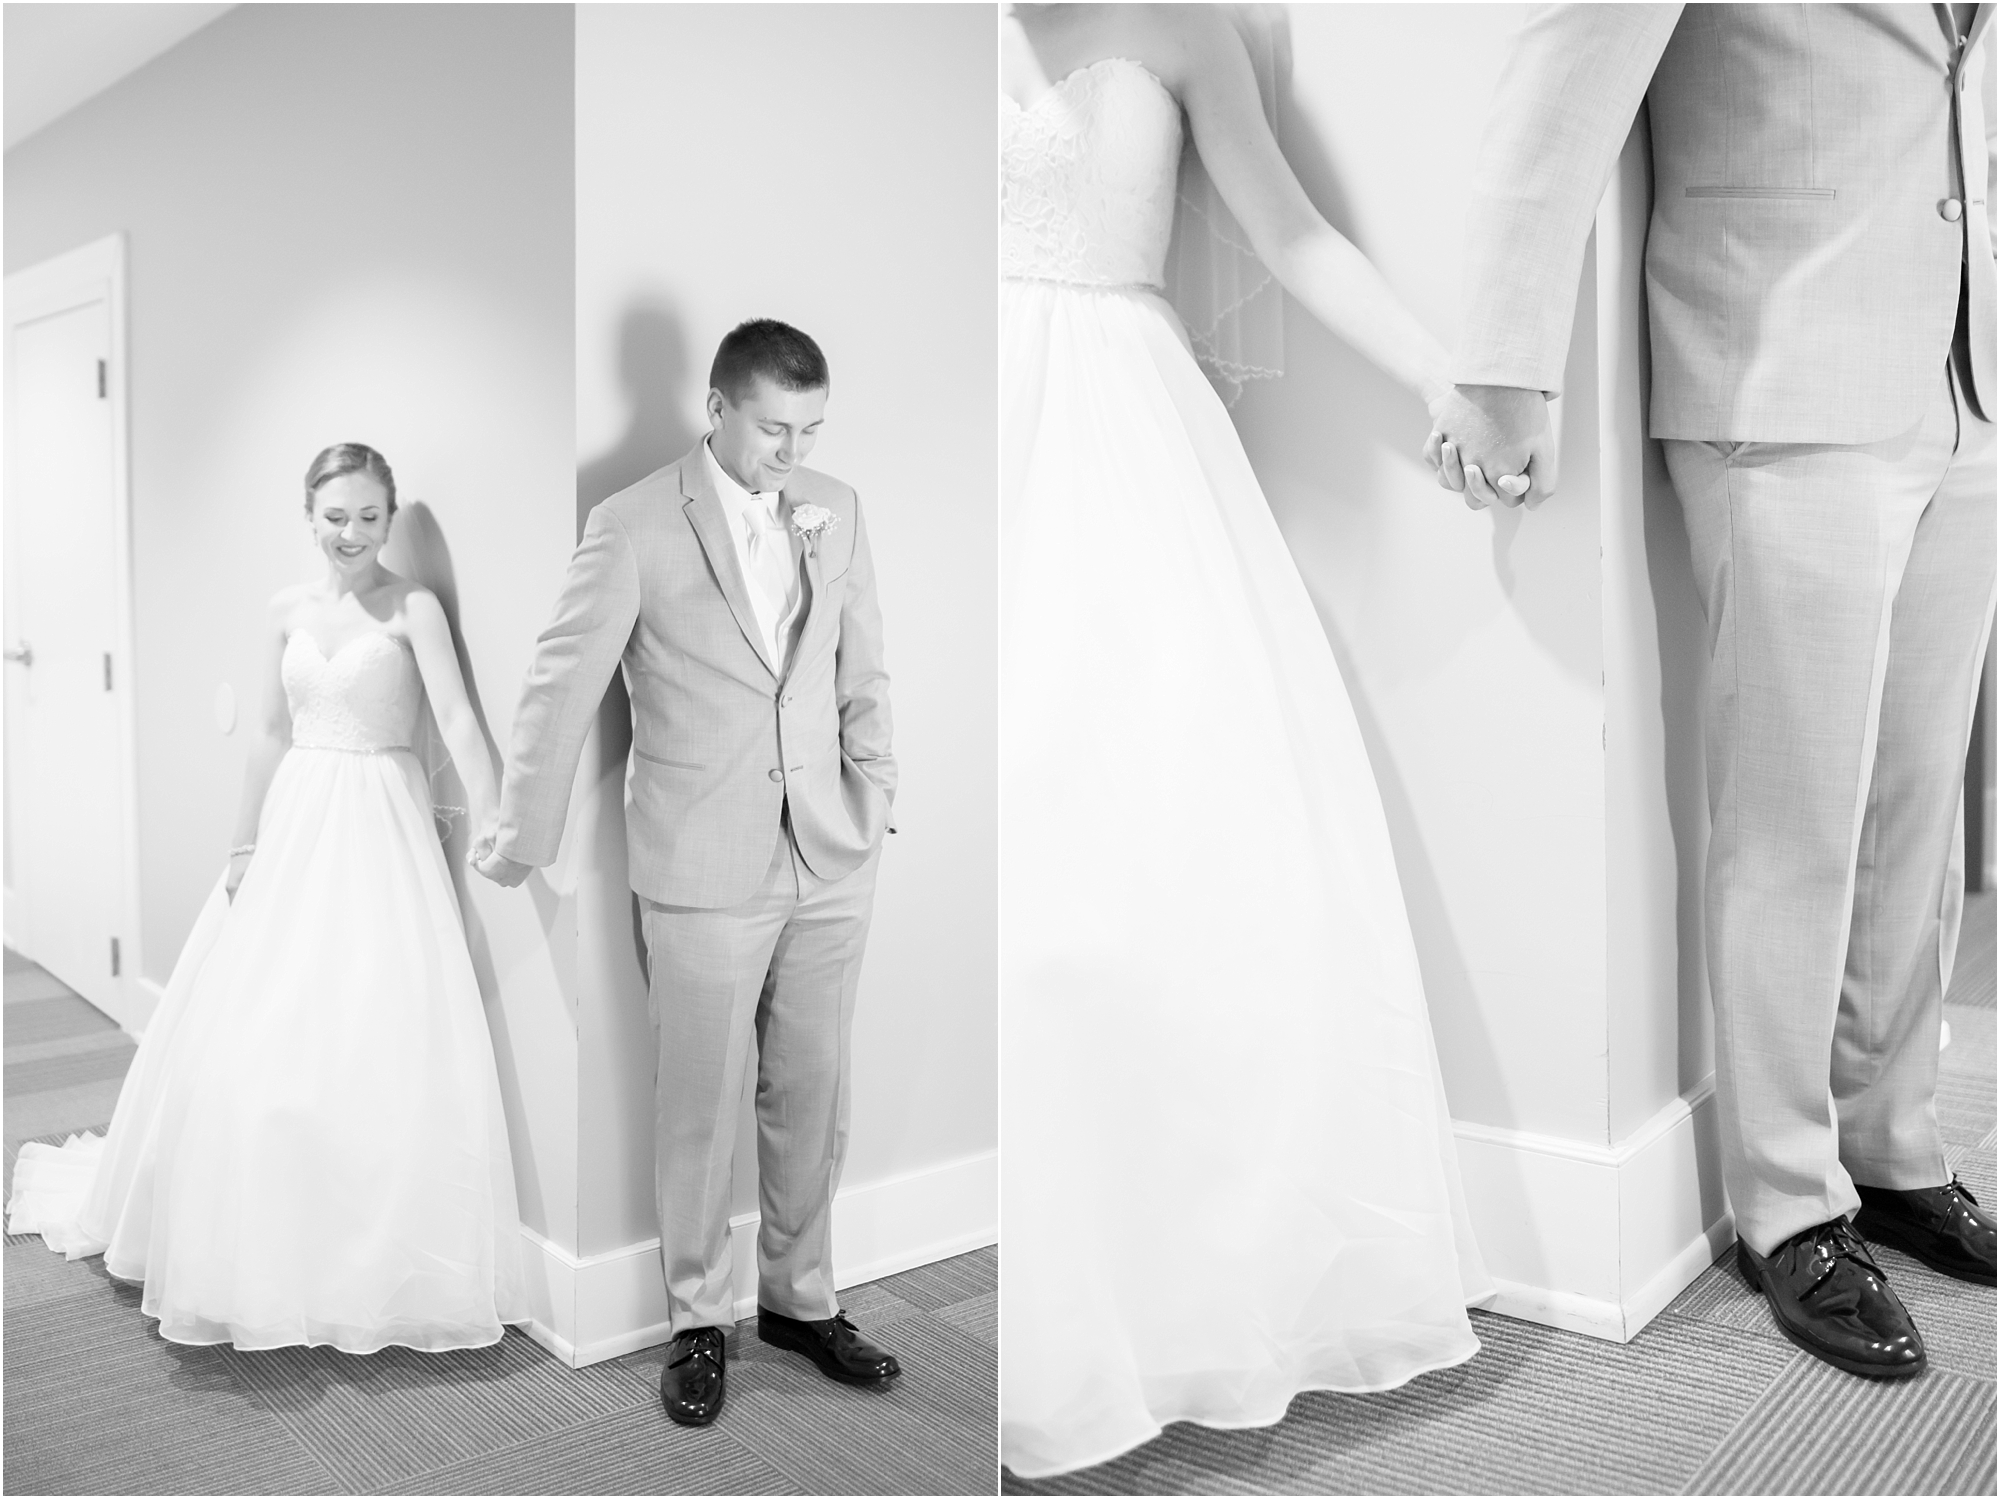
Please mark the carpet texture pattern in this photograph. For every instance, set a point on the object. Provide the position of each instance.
(95, 1402)
(1708, 1399)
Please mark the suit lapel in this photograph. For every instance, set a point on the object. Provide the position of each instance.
(1982, 15)
(814, 593)
(704, 511)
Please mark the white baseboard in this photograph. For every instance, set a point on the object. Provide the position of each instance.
(594, 1307)
(1598, 1239)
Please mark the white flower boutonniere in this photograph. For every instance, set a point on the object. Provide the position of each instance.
(813, 522)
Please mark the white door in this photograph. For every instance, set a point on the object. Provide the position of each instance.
(66, 854)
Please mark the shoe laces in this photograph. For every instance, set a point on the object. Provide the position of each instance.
(1955, 1185)
(1828, 1245)
(698, 1348)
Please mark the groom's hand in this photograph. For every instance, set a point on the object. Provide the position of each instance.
(496, 866)
(1494, 444)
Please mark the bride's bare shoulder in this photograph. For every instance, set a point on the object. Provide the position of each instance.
(407, 602)
(415, 601)
(1177, 40)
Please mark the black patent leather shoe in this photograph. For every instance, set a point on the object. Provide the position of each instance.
(691, 1384)
(834, 1344)
(1945, 1227)
(1834, 1301)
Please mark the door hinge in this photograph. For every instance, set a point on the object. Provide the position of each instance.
(114, 957)
(107, 671)
(103, 379)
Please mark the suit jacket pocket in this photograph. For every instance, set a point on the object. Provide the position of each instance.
(671, 764)
(1821, 193)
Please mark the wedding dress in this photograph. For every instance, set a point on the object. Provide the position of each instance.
(309, 1147)
(1228, 1171)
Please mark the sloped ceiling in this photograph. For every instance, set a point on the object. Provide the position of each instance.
(59, 55)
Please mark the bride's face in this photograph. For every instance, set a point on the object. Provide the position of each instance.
(350, 521)
(760, 439)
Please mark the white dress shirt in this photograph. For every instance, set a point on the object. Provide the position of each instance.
(769, 554)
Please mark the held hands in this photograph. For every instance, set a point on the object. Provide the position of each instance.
(1494, 444)
(496, 866)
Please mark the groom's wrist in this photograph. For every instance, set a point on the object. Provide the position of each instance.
(1511, 408)
(1487, 395)
(1472, 390)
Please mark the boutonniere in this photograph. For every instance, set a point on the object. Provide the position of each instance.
(813, 522)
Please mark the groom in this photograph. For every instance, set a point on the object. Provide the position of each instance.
(1820, 287)
(736, 588)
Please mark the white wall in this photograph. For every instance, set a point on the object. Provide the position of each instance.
(343, 223)
(832, 166)
(1470, 642)
(1526, 684)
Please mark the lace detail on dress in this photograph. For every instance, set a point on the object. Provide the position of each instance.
(1088, 175)
(363, 698)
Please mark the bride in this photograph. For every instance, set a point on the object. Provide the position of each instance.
(309, 1146)
(1228, 1170)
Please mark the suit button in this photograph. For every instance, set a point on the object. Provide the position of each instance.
(777, 775)
(1950, 209)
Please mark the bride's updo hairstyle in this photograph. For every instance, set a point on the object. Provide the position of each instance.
(764, 346)
(350, 458)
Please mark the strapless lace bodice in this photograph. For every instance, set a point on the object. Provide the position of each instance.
(363, 698)
(1088, 174)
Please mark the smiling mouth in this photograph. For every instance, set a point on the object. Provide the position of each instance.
(350, 551)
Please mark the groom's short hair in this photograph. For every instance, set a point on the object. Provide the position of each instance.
(764, 346)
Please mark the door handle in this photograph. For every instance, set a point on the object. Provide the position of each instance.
(23, 653)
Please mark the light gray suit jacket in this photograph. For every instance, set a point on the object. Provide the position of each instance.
(1802, 278)
(720, 740)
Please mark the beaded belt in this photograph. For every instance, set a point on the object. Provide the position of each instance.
(1126, 287)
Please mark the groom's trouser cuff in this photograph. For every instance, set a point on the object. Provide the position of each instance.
(1849, 592)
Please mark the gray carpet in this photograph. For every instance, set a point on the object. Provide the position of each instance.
(96, 1403)
(1709, 1399)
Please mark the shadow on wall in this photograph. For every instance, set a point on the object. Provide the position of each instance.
(658, 379)
(655, 373)
(418, 550)
(1682, 633)
(1536, 572)
(1371, 403)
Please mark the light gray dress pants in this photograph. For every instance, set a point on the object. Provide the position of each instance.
(779, 970)
(1849, 592)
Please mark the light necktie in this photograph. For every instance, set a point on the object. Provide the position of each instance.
(772, 565)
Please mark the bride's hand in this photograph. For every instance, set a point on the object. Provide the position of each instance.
(497, 867)
(1500, 443)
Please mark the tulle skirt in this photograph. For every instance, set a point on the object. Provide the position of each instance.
(1228, 1170)
(309, 1147)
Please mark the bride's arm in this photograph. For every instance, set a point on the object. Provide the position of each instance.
(437, 660)
(274, 737)
(1312, 259)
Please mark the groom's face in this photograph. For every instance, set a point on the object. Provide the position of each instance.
(760, 439)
